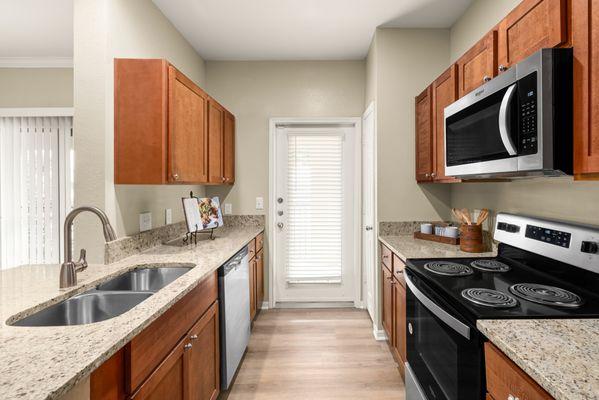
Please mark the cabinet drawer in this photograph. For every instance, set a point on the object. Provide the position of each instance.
(259, 242)
(505, 379)
(153, 344)
(398, 268)
(386, 257)
(252, 249)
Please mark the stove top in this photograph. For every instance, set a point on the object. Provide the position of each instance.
(524, 286)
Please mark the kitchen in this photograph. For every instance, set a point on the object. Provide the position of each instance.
(138, 75)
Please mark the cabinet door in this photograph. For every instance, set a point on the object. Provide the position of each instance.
(259, 279)
(188, 145)
(445, 92)
(399, 311)
(252, 288)
(204, 363)
(586, 88)
(216, 115)
(532, 25)
(229, 148)
(424, 136)
(387, 303)
(478, 65)
(168, 381)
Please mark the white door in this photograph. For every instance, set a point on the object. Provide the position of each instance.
(314, 214)
(368, 221)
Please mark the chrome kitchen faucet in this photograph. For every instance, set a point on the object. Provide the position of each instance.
(69, 268)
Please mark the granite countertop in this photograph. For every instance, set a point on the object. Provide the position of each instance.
(560, 355)
(46, 362)
(406, 246)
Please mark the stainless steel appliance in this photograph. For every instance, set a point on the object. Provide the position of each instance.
(518, 124)
(234, 297)
(544, 269)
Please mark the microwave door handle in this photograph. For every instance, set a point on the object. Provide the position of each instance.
(504, 120)
(443, 315)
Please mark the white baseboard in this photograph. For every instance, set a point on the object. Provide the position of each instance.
(315, 304)
(379, 334)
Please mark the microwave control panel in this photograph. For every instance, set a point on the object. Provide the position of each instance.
(527, 96)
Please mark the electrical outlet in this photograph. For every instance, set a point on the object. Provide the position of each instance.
(168, 216)
(228, 208)
(259, 203)
(145, 221)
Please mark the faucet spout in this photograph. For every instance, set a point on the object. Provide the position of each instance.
(69, 268)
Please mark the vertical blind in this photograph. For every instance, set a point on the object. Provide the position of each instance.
(29, 189)
(315, 208)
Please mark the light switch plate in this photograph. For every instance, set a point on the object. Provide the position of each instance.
(145, 221)
(168, 216)
(228, 208)
(259, 203)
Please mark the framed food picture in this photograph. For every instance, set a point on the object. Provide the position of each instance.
(210, 214)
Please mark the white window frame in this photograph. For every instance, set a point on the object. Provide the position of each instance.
(274, 123)
(65, 158)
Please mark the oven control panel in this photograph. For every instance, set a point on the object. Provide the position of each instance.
(546, 235)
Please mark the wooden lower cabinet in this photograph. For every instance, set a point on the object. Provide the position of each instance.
(387, 302)
(168, 381)
(204, 357)
(506, 380)
(176, 357)
(259, 265)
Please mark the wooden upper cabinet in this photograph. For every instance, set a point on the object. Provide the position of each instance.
(585, 33)
(445, 92)
(478, 65)
(532, 25)
(229, 148)
(162, 122)
(424, 136)
(188, 142)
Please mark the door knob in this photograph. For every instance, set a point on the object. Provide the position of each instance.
(369, 228)
(280, 200)
(280, 225)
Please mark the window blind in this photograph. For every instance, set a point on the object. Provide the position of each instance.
(29, 189)
(315, 208)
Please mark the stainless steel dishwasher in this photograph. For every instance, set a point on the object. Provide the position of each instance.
(234, 295)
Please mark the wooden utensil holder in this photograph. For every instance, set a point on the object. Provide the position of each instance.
(471, 238)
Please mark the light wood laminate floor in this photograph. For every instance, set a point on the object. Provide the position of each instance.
(316, 354)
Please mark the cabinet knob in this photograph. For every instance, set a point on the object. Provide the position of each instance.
(176, 176)
(188, 346)
(433, 175)
(427, 175)
(224, 179)
(503, 68)
(486, 78)
(193, 337)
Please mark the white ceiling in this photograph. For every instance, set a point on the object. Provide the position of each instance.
(36, 28)
(299, 29)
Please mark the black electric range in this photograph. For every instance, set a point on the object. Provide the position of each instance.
(543, 269)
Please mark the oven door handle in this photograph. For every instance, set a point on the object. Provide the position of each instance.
(443, 315)
(504, 117)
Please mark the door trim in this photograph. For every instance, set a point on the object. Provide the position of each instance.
(274, 123)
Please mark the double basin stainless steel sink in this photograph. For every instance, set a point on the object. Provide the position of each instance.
(109, 299)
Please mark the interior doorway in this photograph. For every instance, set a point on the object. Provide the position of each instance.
(314, 221)
(368, 210)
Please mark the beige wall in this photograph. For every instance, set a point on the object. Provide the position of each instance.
(371, 73)
(560, 198)
(480, 17)
(36, 87)
(104, 30)
(257, 91)
(406, 62)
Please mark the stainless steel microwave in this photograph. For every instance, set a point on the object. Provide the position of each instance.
(516, 125)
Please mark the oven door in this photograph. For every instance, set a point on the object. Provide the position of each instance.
(481, 130)
(445, 353)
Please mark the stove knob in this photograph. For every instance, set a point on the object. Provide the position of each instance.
(590, 247)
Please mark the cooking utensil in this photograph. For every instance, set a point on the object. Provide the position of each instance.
(484, 214)
(467, 216)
